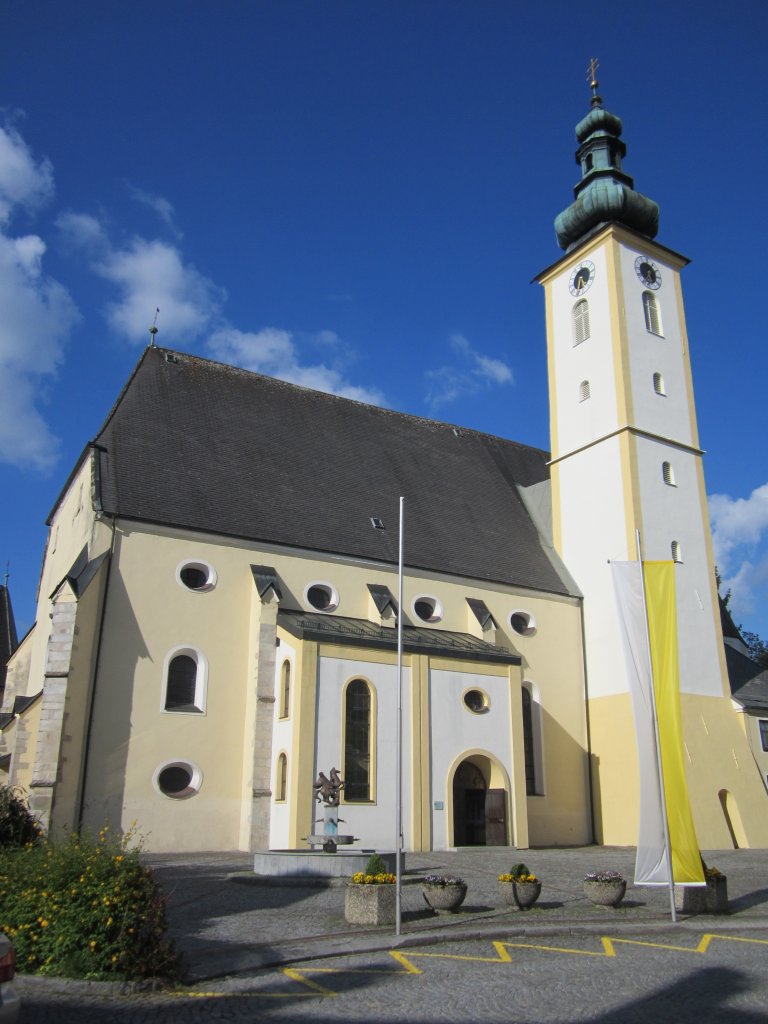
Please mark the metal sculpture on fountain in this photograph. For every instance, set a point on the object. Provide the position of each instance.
(327, 791)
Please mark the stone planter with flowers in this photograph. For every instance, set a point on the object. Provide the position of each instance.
(605, 888)
(371, 895)
(520, 888)
(444, 893)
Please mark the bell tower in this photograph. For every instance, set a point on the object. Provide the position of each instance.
(626, 457)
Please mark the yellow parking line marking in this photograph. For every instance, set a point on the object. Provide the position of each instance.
(314, 989)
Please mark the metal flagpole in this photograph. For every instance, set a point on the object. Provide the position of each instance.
(665, 822)
(399, 743)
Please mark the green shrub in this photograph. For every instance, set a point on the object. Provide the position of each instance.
(519, 869)
(18, 825)
(376, 865)
(85, 907)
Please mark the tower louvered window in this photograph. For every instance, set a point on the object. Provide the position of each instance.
(658, 384)
(584, 391)
(652, 314)
(668, 473)
(580, 321)
(676, 552)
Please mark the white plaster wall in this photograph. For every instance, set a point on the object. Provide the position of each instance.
(282, 743)
(593, 534)
(592, 360)
(373, 824)
(648, 353)
(675, 513)
(456, 730)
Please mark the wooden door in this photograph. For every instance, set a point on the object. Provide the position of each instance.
(496, 817)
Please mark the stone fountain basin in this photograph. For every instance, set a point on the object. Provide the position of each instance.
(319, 840)
(317, 863)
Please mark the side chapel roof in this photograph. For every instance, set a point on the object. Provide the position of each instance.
(197, 444)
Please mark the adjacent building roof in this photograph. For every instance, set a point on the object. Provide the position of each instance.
(196, 444)
(337, 629)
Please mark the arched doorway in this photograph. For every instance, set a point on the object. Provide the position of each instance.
(479, 807)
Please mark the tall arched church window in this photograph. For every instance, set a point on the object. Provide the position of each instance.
(652, 313)
(532, 741)
(357, 771)
(584, 391)
(185, 681)
(580, 315)
(285, 689)
(281, 778)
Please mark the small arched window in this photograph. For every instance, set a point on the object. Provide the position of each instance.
(185, 681)
(584, 391)
(580, 321)
(668, 473)
(357, 742)
(652, 314)
(281, 778)
(658, 384)
(532, 740)
(285, 689)
(676, 552)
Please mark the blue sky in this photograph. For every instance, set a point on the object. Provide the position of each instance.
(355, 196)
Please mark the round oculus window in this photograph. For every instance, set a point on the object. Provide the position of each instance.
(322, 597)
(428, 609)
(197, 576)
(523, 623)
(476, 701)
(178, 780)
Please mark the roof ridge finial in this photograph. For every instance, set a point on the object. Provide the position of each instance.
(594, 64)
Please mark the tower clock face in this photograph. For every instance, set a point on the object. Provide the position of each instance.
(648, 272)
(582, 277)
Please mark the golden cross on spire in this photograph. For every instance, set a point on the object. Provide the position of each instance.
(592, 78)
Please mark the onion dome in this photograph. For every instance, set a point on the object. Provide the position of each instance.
(605, 193)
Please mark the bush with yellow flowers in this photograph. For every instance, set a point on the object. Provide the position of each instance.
(84, 907)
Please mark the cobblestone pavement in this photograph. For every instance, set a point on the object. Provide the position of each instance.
(235, 932)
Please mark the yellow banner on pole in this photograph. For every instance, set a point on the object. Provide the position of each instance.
(662, 627)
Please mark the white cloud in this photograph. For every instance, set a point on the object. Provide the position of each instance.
(275, 352)
(476, 371)
(158, 204)
(740, 539)
(37, 313)
(23, 180)
(82, 231)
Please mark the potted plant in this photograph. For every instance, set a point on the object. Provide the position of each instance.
(370, 896)
(711, 898)
(605, 888)
(520, 888)
(717, 891)
(444, 893)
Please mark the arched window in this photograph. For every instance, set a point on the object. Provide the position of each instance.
(658, 384)
(676, 552)
(185, 681)
(285, 689)
(584, 391)
(532, 741)
(281, 777)
(668, 473)
(652, 313)
(357, 741)
(580, 315)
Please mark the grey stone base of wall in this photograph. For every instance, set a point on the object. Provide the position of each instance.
(305, 864)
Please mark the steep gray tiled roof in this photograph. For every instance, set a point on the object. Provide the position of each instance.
(201, 445)
(8, 638)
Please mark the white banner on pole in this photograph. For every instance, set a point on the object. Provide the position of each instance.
(652, 864)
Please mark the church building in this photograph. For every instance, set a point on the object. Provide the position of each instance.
(217, 609)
